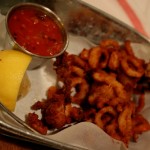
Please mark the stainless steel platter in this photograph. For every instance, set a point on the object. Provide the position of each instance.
(80, 19)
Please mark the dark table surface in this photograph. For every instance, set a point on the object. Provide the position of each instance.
(8, 143)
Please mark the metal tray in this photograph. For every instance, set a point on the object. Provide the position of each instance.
(79, 19)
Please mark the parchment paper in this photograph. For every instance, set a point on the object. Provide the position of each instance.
(84, 134)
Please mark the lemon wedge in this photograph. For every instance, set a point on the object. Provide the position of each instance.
(13, 65)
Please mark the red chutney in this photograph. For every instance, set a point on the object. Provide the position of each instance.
(35, 31)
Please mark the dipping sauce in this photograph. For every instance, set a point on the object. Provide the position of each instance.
(36, 31)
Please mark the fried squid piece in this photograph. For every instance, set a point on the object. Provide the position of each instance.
(54, 114)
(73, 114)
(33, 121)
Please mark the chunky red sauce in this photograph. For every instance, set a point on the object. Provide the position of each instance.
(35, 31)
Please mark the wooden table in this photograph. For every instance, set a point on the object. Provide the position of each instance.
(7, 143)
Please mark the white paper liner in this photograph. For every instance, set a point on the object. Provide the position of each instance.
(88, 135)
(84, 134)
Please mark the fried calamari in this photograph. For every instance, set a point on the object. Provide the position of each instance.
(101, 81)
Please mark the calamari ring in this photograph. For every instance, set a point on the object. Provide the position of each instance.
(114, 61)
(115, 101)
(77, 71)
(137, 69)
(111, 129)
(98, 57)
(82, 89)
(128, 48)
(103, 59)
(128, 82)
(100, 94)
(101, 102)
(110, 44)
(84, 54)
(92, 98)
(125, 120)
(76, 60)
(98, 117)
(102, 76)
(94, 56)
(118, 103)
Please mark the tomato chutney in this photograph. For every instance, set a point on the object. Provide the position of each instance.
(35, 31)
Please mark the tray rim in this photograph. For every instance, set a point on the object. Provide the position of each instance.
(42, 140)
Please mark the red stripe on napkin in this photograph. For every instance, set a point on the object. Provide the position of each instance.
(132, 16)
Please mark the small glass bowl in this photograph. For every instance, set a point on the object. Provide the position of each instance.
(37, 59)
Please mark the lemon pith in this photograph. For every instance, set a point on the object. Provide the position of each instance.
(13, 65)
